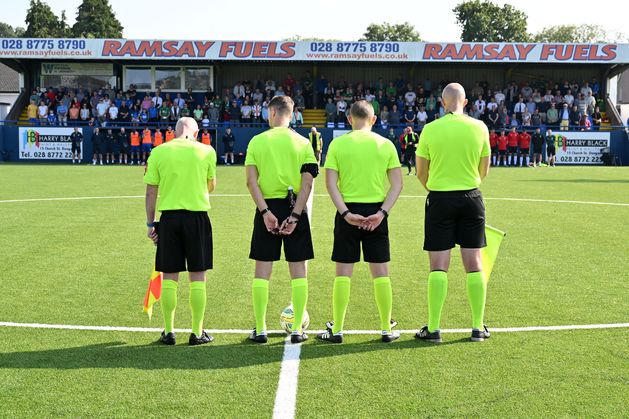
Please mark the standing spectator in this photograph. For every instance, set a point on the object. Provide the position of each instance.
(493, 117)
(568, 98)
(409, 116)
(524, 143)
(179, 101)
(198, 113)
(395, 140)
(265, 111)
(52, 118)
(213, 114)
(575, 117)
(410, 141)
(123, 112)
(228, 145)
(597, 118)
(175, 112)
(164, 113)
(384, 117)
(113, 112)
(101, 111)
(300, 101)
(84, 113)
(480, 105)
(394, 116)
(584, 123)
(31, 112)
(98, 143)
(538, 141)
(519, 109)
(526, 118)
(320, 89)
(503, 115)
(256, 112)
(245, 113)
(564, 117)
(185, 111)
(77, 138)
(422, 117)
(42, 113)
(73, 113)
(552, 115)
(157, 101)
(330, 112)
(500, 97)
(536, 118)
(341, 108)
(297, 119)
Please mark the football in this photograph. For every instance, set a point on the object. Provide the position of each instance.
(287, 317)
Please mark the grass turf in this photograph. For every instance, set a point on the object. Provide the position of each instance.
(87, 262)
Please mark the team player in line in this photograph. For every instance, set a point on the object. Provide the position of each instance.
(357, 167)
(452, 160)
(280, 168)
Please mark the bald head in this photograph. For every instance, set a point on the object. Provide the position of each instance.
(187, 128)
(453, 97)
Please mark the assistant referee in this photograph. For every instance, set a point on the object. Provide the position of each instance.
(452, 159)
(184, 172)
(281, 167)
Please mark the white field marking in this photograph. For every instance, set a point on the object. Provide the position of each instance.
(237, 195)
(286, 396)
(281, 332)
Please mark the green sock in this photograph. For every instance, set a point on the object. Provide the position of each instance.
(299, 296)
(260, 293)
(198, 299)
(384, 300)
(340, 300)
(437, 291)
(168, 303)
(476, 292)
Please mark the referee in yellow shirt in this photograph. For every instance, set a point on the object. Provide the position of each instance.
(184, 173)
(357, 166)
(452, 160)
(281, 167)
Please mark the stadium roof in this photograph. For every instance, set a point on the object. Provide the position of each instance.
(9, 80)
(145, 49)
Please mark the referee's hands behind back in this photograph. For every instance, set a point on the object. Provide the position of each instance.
(270, 222)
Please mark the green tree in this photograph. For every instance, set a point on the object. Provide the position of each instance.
(485, 21)
(386, 32)
(8, 31)
(41, 22)
(298, 38)
(95, 19)
(572, 33)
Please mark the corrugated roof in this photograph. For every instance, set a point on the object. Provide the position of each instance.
(9, 79)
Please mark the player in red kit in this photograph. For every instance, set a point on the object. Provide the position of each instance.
(514, 139)
(493, 144)
(502, 149)
(525, 143)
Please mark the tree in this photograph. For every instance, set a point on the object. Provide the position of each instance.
(298, 38)
(8, 31)
(386, 32)
(41, 22)
(484, 21)
(95, 19)
(572, 33)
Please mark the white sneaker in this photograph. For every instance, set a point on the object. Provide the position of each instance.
(101, 163)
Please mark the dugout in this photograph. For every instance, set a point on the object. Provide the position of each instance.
(175, 66)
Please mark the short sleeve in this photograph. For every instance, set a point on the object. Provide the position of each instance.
(211, 169)
(330, 159)
(394, 161)
(423, 149)
(250, 160)
(486, 150)
(151, 176)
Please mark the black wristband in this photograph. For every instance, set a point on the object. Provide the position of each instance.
(295, 215)
(344, 214)
(386, 214)
(264, 211)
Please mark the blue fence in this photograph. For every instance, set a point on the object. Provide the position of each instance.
(9, 141)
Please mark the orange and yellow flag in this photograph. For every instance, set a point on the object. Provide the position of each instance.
(153, 293)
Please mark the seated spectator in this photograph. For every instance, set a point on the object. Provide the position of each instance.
(409, 116)
(269, 87)
(531, 106)
(213, 114)
(597, 118)
(190, 99)
(568, 98)
(584, 123)
(153, 113)
(164, 112)
(265, 111)
(31, 112)
(422, 117)
(113, 112)
(280, 91)
(536, 118)
(552, 114)
(185, 111)
(101, 110)
(35, 97)
(234, 112)
(205, 122)
(144, 116)
(514, 123)
(52, 118)
(245, 112)
(384, 117)
(300, 100)
(85, 113)
(42, 113)
(73, 114)
(256, 112)
(526, 118)
(297, 119)
(123, 112)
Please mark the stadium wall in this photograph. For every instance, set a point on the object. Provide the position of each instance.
(10, 142)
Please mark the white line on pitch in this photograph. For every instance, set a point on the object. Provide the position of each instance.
(277, 332)
(286, 396)
(236, 195)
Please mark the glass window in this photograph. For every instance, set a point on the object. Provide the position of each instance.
(139, 76)
(80, 82)
(198, 78)
(168, 78)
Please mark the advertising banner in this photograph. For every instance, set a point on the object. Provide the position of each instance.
(576, 148)
(46, 143)
(364, 51)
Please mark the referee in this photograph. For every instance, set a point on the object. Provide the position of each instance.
(184, 171)
(452, 160)
(280, 167)
(357, 166)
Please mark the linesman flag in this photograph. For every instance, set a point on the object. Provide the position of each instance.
(153, 293)
(489, 253)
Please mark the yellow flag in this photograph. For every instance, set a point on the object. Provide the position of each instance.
(489, 253)
(153, 293)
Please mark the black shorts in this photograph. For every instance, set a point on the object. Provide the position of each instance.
(348, 238)
(267, 247)
(494, 150)
(229, 148)
(184, 239)
(524, 151)
(452, 218)
(99, 148)
(550, 150)
(76, 148)
(537, 150)
(503, 152)
(513, 150)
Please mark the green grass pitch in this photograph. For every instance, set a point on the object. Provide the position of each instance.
(86, 262)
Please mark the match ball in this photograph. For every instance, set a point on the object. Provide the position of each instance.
(287, 317)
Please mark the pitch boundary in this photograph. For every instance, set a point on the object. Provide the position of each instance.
(235, 195)
(281, 332)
